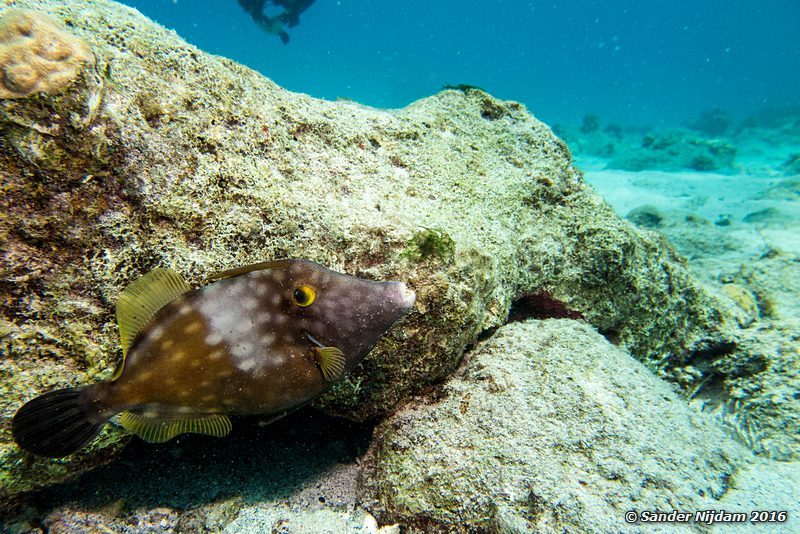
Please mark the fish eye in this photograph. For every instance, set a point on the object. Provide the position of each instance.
(304, 296)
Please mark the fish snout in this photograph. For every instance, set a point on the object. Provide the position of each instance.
(401, 296)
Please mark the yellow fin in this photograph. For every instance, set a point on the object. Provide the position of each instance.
(272, 264)
(330, 361)
(139, 301)
(155, 430)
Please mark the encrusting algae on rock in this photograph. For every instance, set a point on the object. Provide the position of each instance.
(37, 56)
(266, 339)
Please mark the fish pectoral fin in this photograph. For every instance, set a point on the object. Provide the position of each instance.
(141, 300)
(153, 430)
(330, 361)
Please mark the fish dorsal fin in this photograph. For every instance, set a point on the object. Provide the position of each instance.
(330, 361)
(154, 430)
(272, 264)
(139, 301)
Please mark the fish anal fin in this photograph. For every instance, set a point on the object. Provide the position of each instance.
(330, 361)
(157, 430)
(141, 300)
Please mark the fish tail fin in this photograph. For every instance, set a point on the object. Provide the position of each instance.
(57, 423)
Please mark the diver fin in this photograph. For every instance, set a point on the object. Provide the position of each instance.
(330, 361)
(154, 430)
(272, 264)
(141, 300)
(55, 424)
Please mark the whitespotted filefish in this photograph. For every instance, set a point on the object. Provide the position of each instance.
(264, 339)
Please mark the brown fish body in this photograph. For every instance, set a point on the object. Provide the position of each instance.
(242, 346)
(263, 340)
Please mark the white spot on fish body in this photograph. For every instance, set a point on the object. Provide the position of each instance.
(242, 350)
(194, 326)
(213, 338)
(246, 365)
(144, 376)
(155, 334)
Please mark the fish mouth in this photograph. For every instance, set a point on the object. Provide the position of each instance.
(405, 296)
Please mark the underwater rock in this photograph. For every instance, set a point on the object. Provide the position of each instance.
(761, 399)
(176, 158)
(590, 123)
(675, 150)
(787, 189)
(768, 216)
(743, 298)
(775, 280)
(547, 427)
(792, 165)
(646, 216)
(638, 149)
(712, 123)
(589, 139)
(754, 391)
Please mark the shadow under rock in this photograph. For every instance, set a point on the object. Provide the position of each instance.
(268, 463)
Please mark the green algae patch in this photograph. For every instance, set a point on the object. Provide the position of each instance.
(430, 243)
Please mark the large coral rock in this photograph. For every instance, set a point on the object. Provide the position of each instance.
(168, 156)
(548, 428)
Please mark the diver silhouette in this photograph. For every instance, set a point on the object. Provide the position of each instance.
(290, 16)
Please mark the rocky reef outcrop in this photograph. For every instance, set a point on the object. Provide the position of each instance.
(546, 428)
(160, 155)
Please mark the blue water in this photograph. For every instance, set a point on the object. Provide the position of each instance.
(633, 61)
